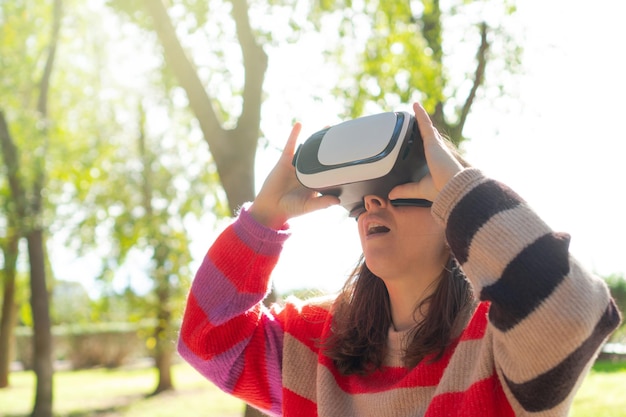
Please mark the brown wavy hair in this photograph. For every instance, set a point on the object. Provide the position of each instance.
(362, 319)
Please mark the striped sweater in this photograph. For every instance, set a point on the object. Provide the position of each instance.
(531, 339)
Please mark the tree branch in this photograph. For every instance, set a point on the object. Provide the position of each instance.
(11, 161)
(42, 107)
(187, 76)
(255, 64)
(479, 76)
(44, 85)
(233, 150)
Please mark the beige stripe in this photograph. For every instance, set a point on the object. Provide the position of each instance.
(334, 402)
(472, 361)
(396, 347)
(299, 363)
(555, 329)
(499, 241)
(457, 188)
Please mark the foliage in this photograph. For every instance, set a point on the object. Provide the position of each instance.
(197, 25)
(617, 286)
(70, 302)
(49, 147)
(70, 144)
(445, 55)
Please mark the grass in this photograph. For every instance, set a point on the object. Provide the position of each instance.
(603, 392)
(123, 393)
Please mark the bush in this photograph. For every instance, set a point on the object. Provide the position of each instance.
(617, 285)
(85, 346)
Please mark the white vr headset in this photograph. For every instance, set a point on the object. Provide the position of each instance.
(365, 156)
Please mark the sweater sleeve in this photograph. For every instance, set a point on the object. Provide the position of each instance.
(227, 334)
(548, 316)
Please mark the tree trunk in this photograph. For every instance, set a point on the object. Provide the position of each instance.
(163, 362)
(39, 297)
(9, 309)
(253, 412)
(42, 335)
(39, 300)
(164, 347)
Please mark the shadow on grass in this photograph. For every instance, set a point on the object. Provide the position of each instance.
(606, 366)
(109, 412)
(119, 409)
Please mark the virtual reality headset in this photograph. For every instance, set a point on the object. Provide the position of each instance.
(365, 156)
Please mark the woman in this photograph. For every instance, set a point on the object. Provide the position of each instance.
(470, 308)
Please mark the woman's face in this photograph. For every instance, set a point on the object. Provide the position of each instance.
(400, 241)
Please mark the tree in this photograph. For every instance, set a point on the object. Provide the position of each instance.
(28, 201)
(161, 231)
(233, 149)
(42, 132)
(10, 250)
(153, 187)
(117, 187)
(9, 246)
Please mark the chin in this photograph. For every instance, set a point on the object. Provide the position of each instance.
(380, 268)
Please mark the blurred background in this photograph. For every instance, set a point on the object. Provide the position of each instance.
(132, 130)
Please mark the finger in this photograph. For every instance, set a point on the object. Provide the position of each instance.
(423, 189)
(321, 202)
(290, 146)
(409, 190)
(435, 145)
(427, 129)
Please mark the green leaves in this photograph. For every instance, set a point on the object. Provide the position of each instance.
(421, 50)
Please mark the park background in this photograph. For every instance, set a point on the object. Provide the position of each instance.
(546, 121)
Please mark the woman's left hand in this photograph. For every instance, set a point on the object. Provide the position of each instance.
(441, 162)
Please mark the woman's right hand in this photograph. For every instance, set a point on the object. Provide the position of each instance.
(282, 197)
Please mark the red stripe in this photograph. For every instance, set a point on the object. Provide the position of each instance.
(293, 401)
(253, 384)
(484, 398)
(206, 340)
(306, 324)
(247, 262)
(425, 374)
(478, 324)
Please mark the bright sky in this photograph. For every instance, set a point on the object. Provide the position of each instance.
(559, 144)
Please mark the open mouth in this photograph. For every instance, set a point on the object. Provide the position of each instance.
(376, 228)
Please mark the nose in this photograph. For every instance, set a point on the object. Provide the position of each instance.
(372, 202)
